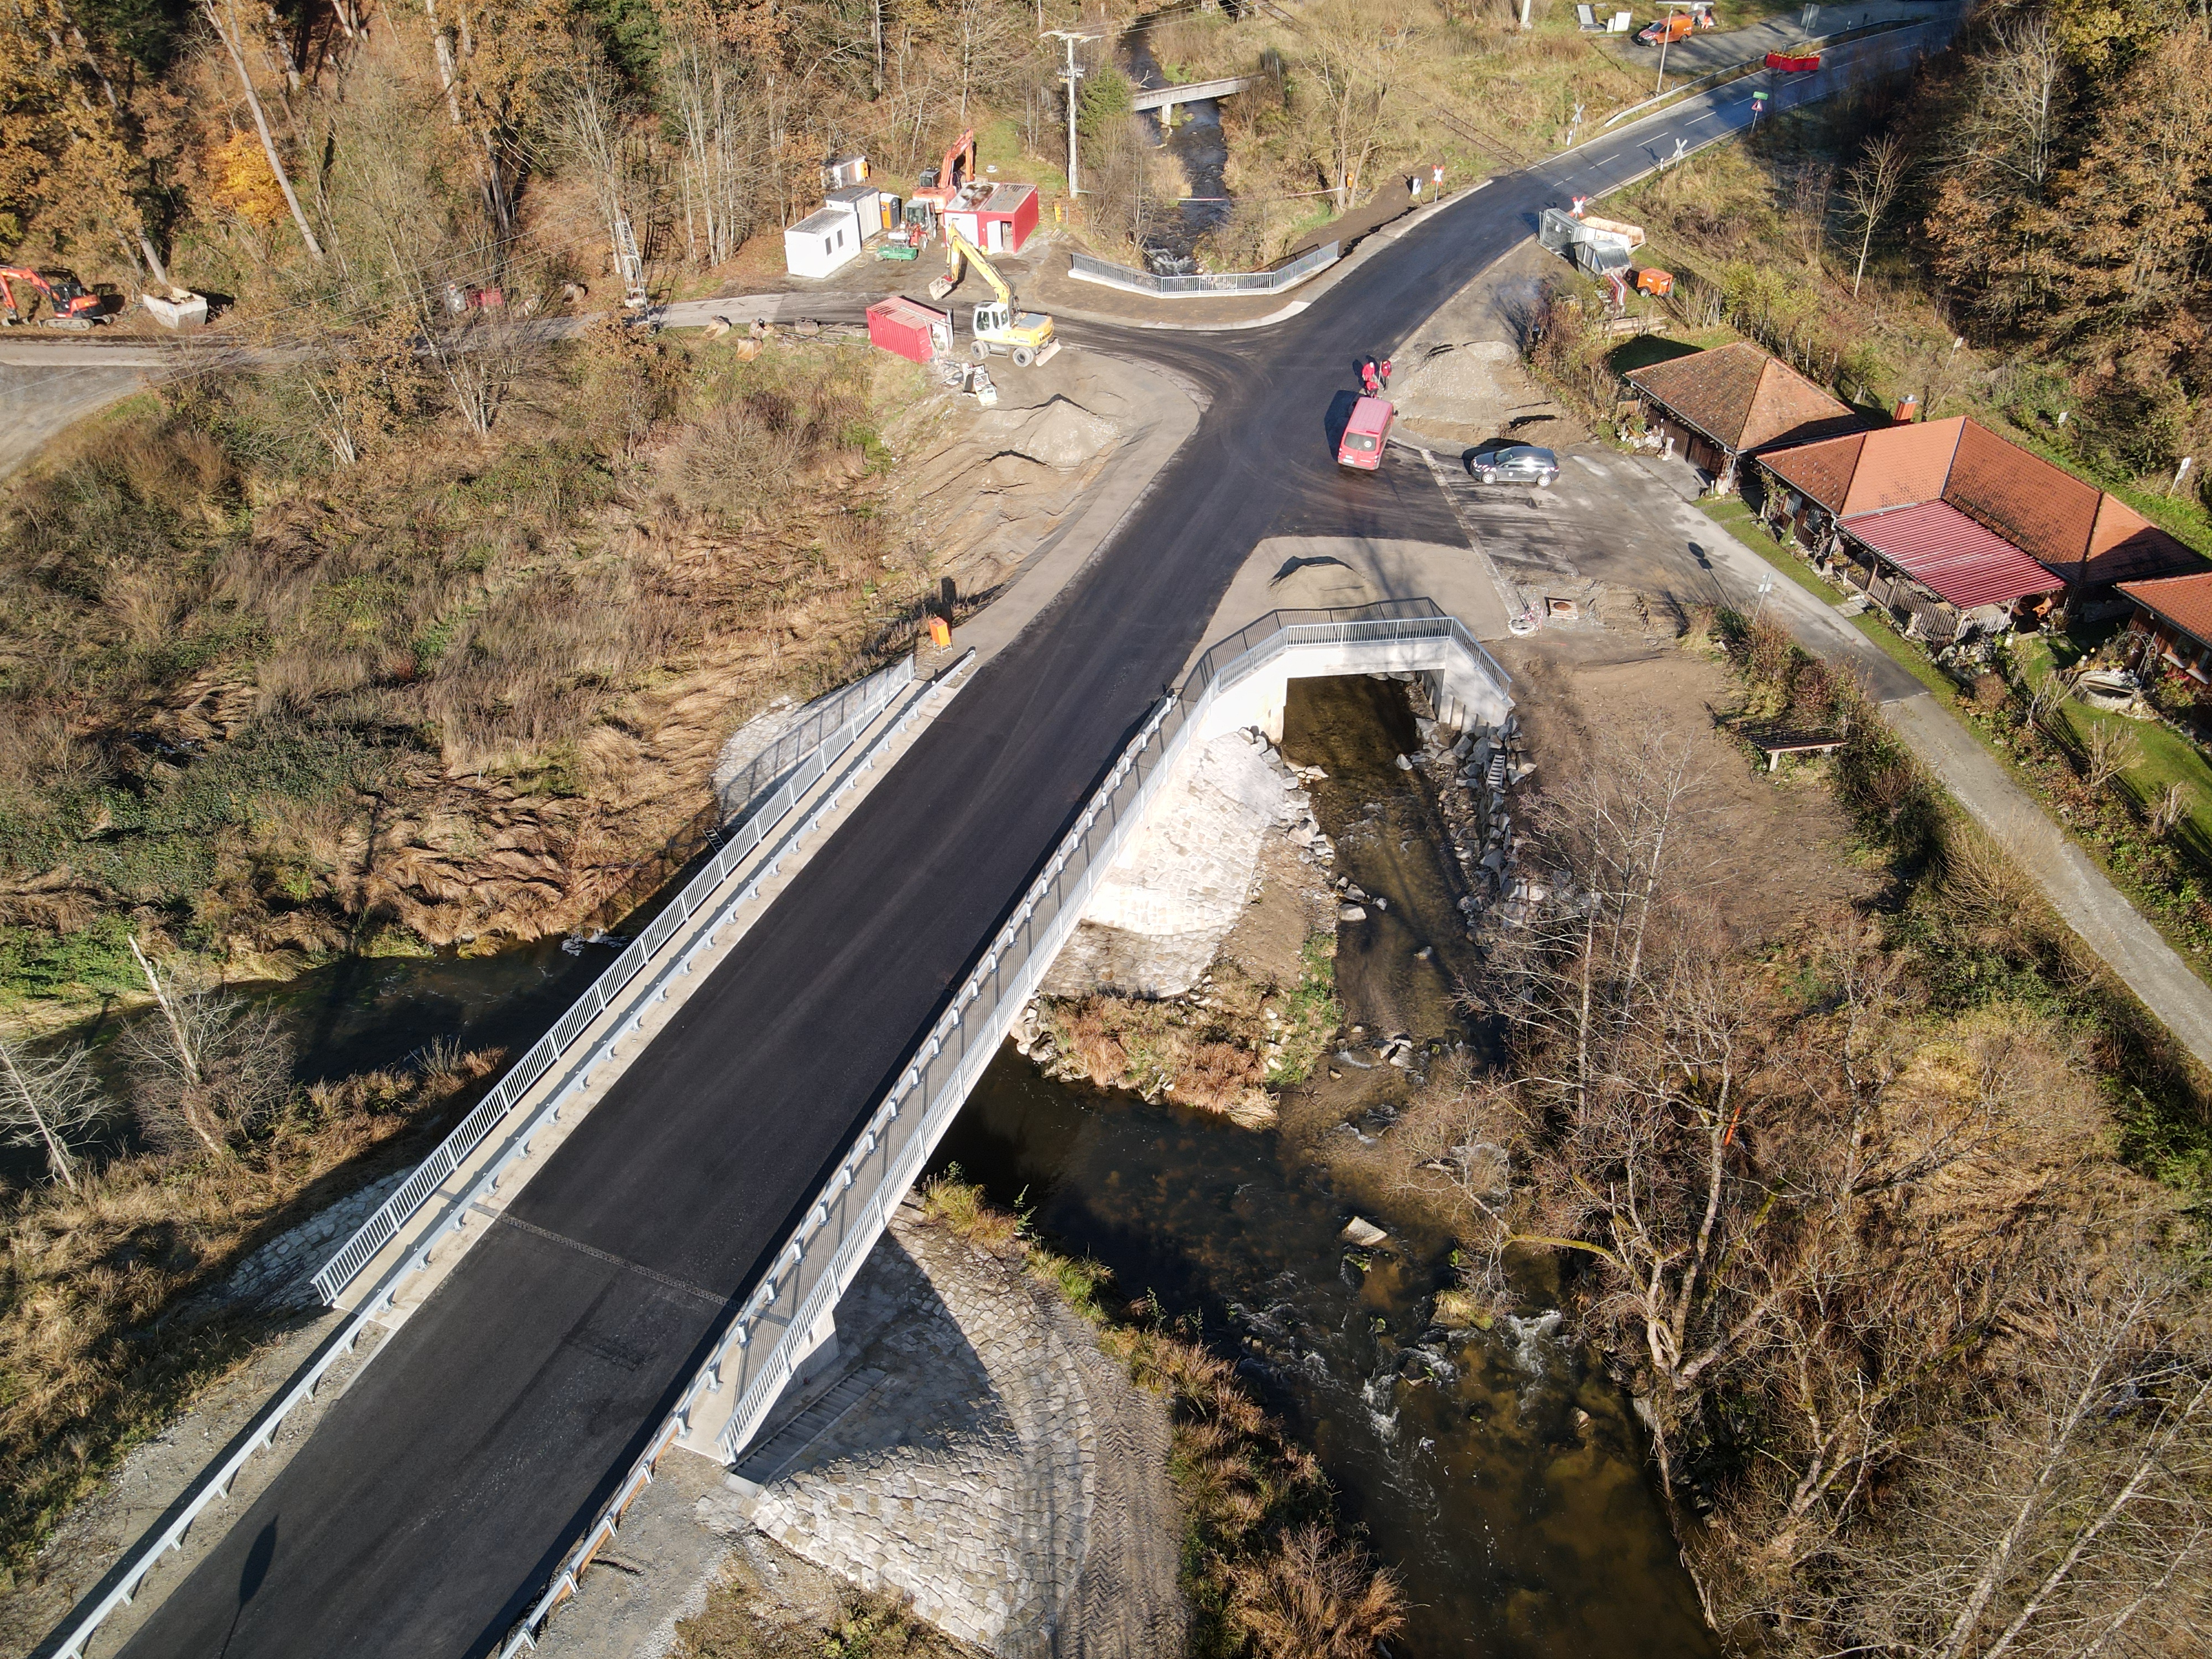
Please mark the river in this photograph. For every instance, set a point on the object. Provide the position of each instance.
(1171, 233)
(1499, 1473)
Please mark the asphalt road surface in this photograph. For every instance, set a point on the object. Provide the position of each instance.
(431, 1507)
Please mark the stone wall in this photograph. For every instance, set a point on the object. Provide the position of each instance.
(1158, 916)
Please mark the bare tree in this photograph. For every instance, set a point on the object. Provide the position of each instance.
(2068, 1516)
(214, 1070)
(1869, 189)
(2110, 750)
(230, 37)
(1348, 69)
(50, 1102)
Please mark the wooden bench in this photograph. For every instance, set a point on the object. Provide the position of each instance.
(1774, 745)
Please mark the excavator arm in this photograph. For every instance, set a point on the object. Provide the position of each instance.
(958, 248)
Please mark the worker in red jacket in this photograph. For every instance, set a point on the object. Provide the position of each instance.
(1369, 381)
(1386, 374)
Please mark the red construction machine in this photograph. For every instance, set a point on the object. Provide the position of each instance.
(940, 188)
(74, 305)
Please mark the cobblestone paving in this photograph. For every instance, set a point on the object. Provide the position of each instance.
(1004, 1473)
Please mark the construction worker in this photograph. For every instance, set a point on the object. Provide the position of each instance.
(1369, 381)
(1386, 374)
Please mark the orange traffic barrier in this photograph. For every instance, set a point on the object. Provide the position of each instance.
(940, 633)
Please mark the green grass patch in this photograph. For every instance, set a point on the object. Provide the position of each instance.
(2168, 757)
(1311, 1016)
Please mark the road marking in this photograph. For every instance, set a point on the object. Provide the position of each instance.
(1707, 116)
(1615, 156)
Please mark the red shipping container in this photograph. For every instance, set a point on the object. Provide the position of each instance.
(1791, 64)
(913, 331)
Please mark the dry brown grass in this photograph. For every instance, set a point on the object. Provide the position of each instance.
(1212, 1058)
(471, 690)
(1315, 1598)
(97, 1349)
(739, 1623)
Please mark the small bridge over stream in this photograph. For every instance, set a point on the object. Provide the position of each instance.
(1168, 99)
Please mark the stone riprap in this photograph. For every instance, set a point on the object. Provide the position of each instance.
(1156, 918)
(1002, 1471)
(280, 1274)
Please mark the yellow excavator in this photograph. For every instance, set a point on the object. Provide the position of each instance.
(1026, 335)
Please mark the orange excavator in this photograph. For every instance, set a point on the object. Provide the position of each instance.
(74, 305)
(941, 189)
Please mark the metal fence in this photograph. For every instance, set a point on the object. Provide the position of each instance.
(755, 1355)
(1285, 276)
(812, 724)
(736, 843)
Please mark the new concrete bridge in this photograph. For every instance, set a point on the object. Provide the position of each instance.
(446, 1494)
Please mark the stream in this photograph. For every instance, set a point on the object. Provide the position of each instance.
(1171, 235)
(1498, 1472)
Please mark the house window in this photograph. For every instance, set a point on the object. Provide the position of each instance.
(825, 244)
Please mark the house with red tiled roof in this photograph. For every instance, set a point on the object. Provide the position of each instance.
(1733, 401)
(2176, 611)
(1941, 518)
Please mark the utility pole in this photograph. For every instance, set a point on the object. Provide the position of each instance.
(1072, 75)
(1673, 6)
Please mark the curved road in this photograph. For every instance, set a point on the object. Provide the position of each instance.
(433, 1503)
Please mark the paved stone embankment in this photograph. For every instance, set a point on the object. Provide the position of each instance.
(1001, 1471)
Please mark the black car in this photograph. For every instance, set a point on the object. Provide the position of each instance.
(1515, 464)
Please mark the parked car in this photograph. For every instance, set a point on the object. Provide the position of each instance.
(1365, 434)
(1675, 27)
(1515, 464)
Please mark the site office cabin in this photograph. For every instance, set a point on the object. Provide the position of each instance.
(1364, 432)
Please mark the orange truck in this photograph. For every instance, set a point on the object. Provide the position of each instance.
(1675, 25)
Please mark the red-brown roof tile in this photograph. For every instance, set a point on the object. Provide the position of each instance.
(2124, 546)
(1903, 466)
(1742, 399)
(2184, 601)
(2044, 510)
(1822, 471)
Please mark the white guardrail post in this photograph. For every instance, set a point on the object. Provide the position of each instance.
(754, 1356)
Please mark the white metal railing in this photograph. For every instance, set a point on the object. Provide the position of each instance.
(121, 1584)
(738, 842)
(755, 1355)
(1085, 267)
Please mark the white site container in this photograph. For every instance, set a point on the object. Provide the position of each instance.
(821, 242)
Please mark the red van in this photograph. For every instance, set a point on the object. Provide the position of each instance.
(1364, 434)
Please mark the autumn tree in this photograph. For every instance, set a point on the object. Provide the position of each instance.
(69, 176)
(1992, 221)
